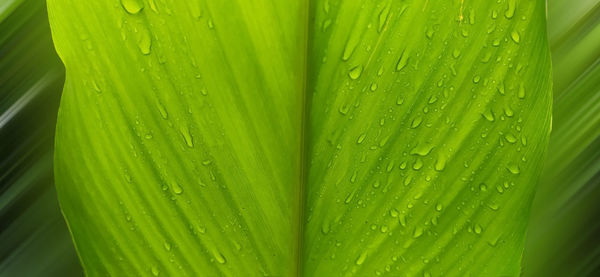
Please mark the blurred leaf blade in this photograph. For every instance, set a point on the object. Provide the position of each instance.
(562, 240)
(34, 237)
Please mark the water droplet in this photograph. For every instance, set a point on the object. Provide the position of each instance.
(521, 93)
(510, 10)
(145, 42)
(510, 138)
(402, 220)
(350, 46)
(422, 150)
(439, 207)
(501, 89)
(418, 164)
(416, 122)
(476, 79)
(361, 138)
(440, 164)
(418, 232)
(344, 109)
(155, 270)
(403, 61)
(513, 168)
(478, 229)
(189, 140)
(349, 197)
(96, 87)
(394, 212)
(219, 257)
(361, 258)
(383, 16)
(373, 86)
(515, 36)
(488, 115)
(176, 188)
(167, 246)
(162, 110)
(132, 6)
(482, 187)
(399, 100)
(355, 72)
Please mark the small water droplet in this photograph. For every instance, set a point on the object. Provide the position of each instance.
(383, 17)
(422, 150)
(513, 168)
(418, 164)
(176, 188)
(189, 140)
(510, 138)
(482, 187)
(416, 122)
(145, 42)
(515, 36)
(155, 270)
(440, 163)
(418, 232)
(373, 86)
(219, 257)
(361, 138)
(521, 93)
(478, 229)
(361, 258)
(162, 110)
(488, 115)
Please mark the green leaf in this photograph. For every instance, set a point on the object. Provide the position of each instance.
(290, 138)
(35, 240)
(561, 240)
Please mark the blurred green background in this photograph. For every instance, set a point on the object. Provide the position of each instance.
(564, 234)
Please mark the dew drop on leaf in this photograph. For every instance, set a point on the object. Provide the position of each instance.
(403, 61)
(510, 10)
(513, 168)
(416, 122)
(515, 36)
(155, 270)
(132, 6)
(361, 258)
(187, 137)
(355, 72)
(176, 188)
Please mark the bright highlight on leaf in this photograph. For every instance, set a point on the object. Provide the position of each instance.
(284, 138)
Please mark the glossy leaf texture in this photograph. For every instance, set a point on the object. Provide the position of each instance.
(283, 138)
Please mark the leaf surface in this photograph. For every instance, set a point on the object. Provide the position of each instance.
(181, 146)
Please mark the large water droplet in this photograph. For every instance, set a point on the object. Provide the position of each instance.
(355, 72)
(510, 10)
(132, 6)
